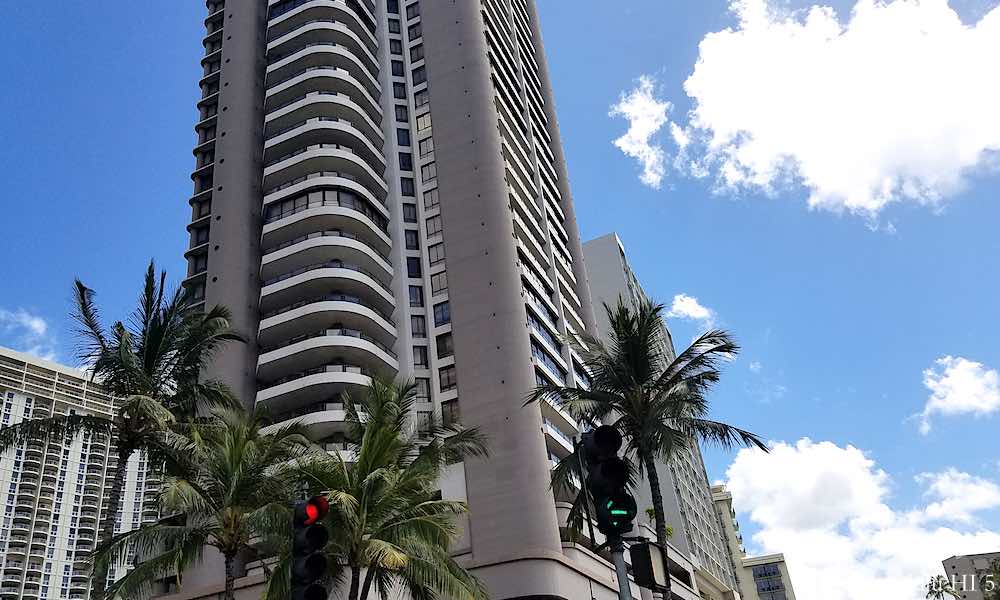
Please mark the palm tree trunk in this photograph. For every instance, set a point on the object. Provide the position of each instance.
(355, 583)
(230, 576)
(98, 580)
(369, 579)
(654, 487)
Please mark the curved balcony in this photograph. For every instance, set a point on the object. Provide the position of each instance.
(324, 11)
(311, 314)
(319, 279)
(320, 158)
(324, 130)
(325, 207)
(322, 54)
(323, 246)
(323, 31)
(318, 104)
(311, 386)
(324, 347)
(320, 79)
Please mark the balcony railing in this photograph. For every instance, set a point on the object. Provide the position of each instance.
(330, 264)
(321, 234)
(329, 298)
(354, 333)
(316, 371)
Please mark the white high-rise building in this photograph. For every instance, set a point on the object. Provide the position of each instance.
(53, 490)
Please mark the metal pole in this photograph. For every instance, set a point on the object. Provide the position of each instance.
(618, 556)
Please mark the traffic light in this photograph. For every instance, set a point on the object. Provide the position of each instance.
(607, 481)
(308, 559)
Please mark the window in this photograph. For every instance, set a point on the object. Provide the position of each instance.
(393, 7)
(403, 137)
(420, 357)
(413, 10)
(402, 114)
(442, 314)
(399, 91)
(429, 172)
(413, 267)
(421, 98)
(435, 254)
(409, 213)
(394, 26)
(406, 186)
(431, 198)
(405, 161)
(417, 53)
(423, 386)
(398, 68)
(433, 226)
(423, 121)
(426, 146)
(412, 239)
(419, 75)
(418, 326)
(416, 295)
(445, 346)
(448, 379)
(396, 47)
(439, 283)
(413, 31)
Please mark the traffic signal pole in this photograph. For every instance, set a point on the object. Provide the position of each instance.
(618, 557)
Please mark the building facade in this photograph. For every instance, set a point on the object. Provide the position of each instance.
(758, 577)
(684, 481)
(380, 189)
(53, 490)
(970, 575)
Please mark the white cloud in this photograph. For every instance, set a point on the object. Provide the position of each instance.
(897, 104)
(646, 116)
(688, 307)
(755, 367)
(959, 386)
(28, 333)
(826, 507)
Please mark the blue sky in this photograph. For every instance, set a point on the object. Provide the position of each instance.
(839, 313)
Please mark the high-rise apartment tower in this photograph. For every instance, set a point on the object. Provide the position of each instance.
(381, 190)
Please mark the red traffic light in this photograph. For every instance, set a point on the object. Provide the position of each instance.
(312, 511)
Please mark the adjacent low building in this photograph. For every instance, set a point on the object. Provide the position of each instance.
(758, 577)
(53, 491)
(967, 574)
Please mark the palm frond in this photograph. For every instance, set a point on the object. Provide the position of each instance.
(60, 426)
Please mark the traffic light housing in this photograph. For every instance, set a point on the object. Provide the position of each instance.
(309, 539)
(607, 481)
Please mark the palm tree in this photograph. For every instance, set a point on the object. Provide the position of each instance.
(658, 404)
(939, 588)
(389, 526)
(232, 488)
(151, 365)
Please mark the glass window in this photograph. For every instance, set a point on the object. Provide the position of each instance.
(418, 326)
(435, 254)
(413, 269)
(413, 10)
(445, 346)
(406, 186)
(399, 91)
(442, 314)
(419, 75)
(420, 356)
(429, 172)
(433, 226)
(439, 283)
(398, 68)
(402, 113)
(403, 137)
(423, 121)
(409, 213)
(426, 146)
(396, 47)
(393, 7)
(416, 295)
(414, 31)
(431, 198)
(423, 386)
(394, 26)
(412, 239)
(405, 161)
(448, 378)
(421, 98)
(449, 413)
(417, 53)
